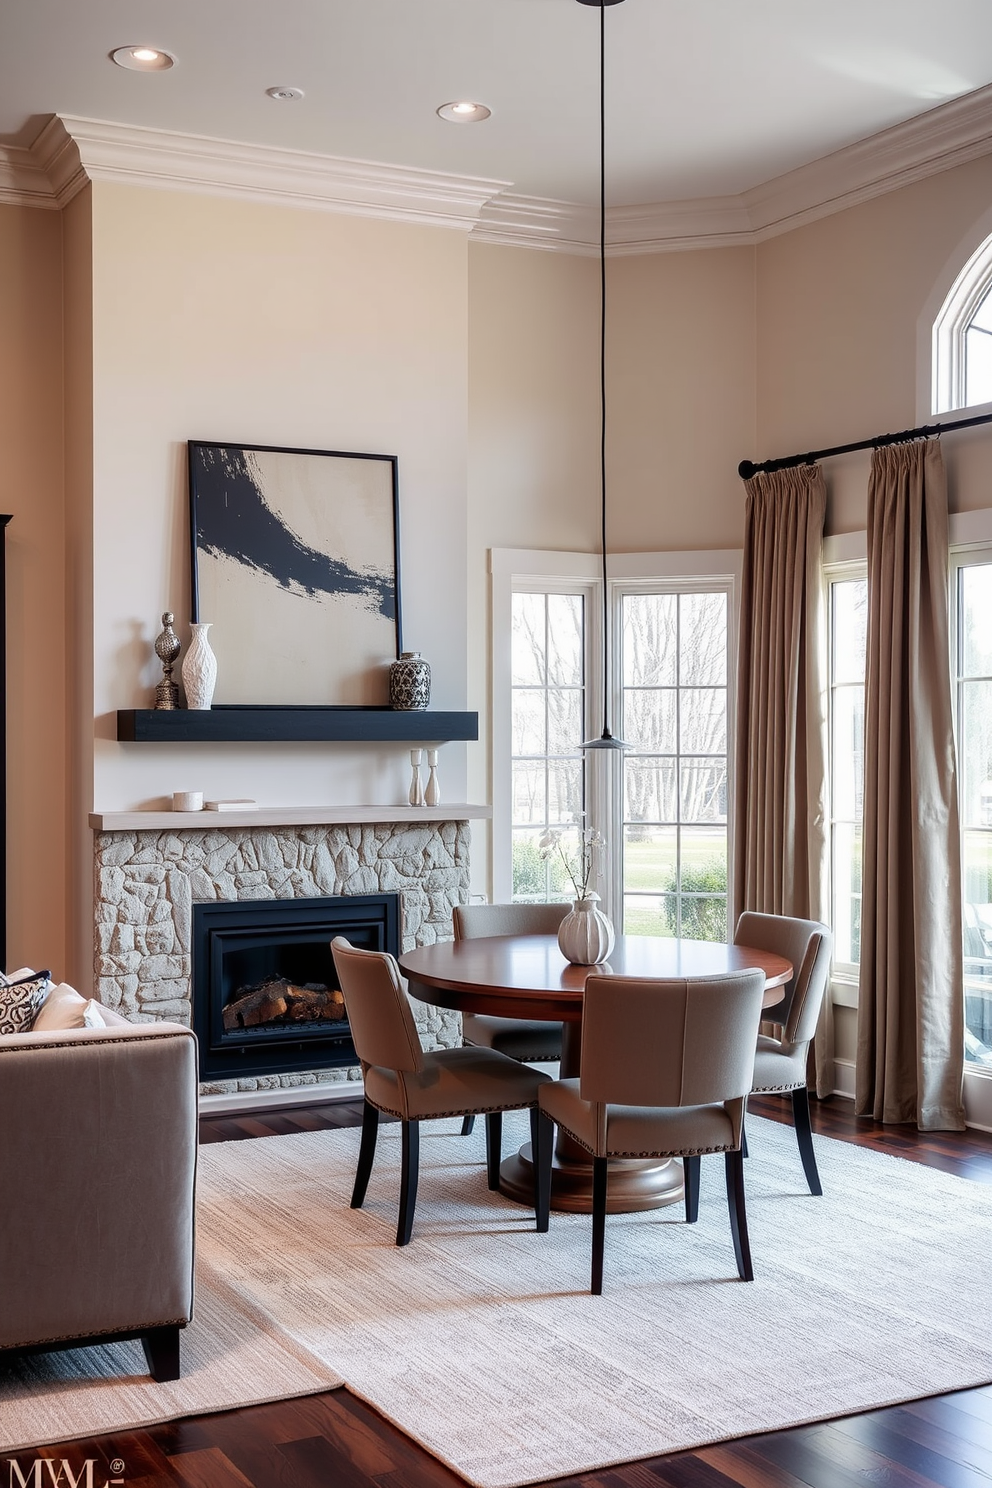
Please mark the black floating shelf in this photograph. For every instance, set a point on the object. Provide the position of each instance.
(278, 725)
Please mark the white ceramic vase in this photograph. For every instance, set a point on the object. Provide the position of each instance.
(199, 669)
(585, 936)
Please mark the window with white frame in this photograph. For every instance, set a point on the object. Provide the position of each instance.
(664, 806)
(972, 649)
(548, 714)
(962, 338)
(847, 638)
(675, 682)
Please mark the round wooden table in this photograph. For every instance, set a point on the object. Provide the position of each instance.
(526, 976)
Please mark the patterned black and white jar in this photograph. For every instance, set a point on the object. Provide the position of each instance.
(410, 681)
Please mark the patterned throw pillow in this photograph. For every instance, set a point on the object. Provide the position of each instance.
(21, 996)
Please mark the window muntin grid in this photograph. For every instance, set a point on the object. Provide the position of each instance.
(547, 711)
(675, 699)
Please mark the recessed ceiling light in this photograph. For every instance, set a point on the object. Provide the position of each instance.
(464, 112)
(143, 59)
(284, 94)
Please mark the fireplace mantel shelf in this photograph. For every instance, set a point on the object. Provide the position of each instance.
(277, 725)
(281, 816)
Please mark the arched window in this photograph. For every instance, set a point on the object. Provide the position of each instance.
(962, 337)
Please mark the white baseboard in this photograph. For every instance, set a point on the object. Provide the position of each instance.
(229, 1103)
(844, 1077)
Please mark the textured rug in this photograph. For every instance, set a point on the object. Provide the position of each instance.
(480, 1339)
(232, 1355)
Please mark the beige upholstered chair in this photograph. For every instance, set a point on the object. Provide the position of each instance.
(665, 1072)
(97, 1167)
(404, 1080)
(521, 1038)
(780, 1063)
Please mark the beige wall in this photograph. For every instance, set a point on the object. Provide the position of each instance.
(78, 374)
(838, 305)
(681, 411)
(31, 490)
(228, 320)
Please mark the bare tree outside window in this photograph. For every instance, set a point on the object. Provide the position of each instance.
(974, 740)
(674, 649)
(848, 641)
(548, 725)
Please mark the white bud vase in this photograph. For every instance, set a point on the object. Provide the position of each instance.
(585, 936)
(199, 669)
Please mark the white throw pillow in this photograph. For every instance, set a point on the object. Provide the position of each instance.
(65, 1008)
(21, 995)
(62, 1008)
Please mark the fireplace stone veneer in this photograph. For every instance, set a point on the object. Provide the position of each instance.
(146, 882)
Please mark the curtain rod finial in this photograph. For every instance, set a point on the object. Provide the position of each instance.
(746, 469)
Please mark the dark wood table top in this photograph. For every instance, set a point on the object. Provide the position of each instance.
(526, 976)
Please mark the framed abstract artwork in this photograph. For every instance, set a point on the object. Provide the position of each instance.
(295, 559)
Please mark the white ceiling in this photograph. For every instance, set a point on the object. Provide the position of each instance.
(705, 97)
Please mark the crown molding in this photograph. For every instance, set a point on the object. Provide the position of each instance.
(24, 181)
(950, 134)
(538, 222)
(71, 151)
(74, 150)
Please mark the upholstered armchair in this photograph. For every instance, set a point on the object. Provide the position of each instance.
(97, 1167)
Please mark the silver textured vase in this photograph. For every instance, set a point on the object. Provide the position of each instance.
(410, 682)
(199, 669)
(585, 935)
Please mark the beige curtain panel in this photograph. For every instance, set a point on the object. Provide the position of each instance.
(780, 811)
(911, 1003)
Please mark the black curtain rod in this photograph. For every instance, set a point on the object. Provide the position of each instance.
(747, 468)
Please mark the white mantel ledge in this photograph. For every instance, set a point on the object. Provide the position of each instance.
(281, 816)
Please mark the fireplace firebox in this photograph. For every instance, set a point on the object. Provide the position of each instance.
(266, 997)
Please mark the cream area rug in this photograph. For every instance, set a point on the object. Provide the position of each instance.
(481, 1341)
(232, 1355)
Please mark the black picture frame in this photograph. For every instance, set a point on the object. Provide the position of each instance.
(295, 564)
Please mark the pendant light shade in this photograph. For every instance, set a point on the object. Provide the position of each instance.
(606, 740)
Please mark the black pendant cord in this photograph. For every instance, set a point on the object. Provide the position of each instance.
(747, 468)
(602, 359)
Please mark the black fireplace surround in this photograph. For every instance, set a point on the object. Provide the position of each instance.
(273, 957)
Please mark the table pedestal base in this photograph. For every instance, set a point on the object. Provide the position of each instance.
(634, 1183)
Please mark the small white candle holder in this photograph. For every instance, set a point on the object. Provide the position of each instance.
(416, 784)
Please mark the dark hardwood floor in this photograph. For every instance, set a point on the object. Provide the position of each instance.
(334, 1441)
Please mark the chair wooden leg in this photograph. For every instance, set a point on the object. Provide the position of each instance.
(366, 1152)
(690, 1180)
(161, 1346)
(543, 1138)
(468, 1126)
(494, 1146)
(804, 1134)
(599, 1171)
(408, 1180)
(738, 1215)
(744, 1151)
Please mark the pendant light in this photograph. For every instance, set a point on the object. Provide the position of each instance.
(606, 740)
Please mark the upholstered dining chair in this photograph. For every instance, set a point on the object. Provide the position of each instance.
(404, 1080)
(780, 1063)
(521, 1038)
(665, 1072)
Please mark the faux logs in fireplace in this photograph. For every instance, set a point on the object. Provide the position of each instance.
(266, 999)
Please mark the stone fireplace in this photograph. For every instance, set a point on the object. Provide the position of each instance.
(150, 869)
